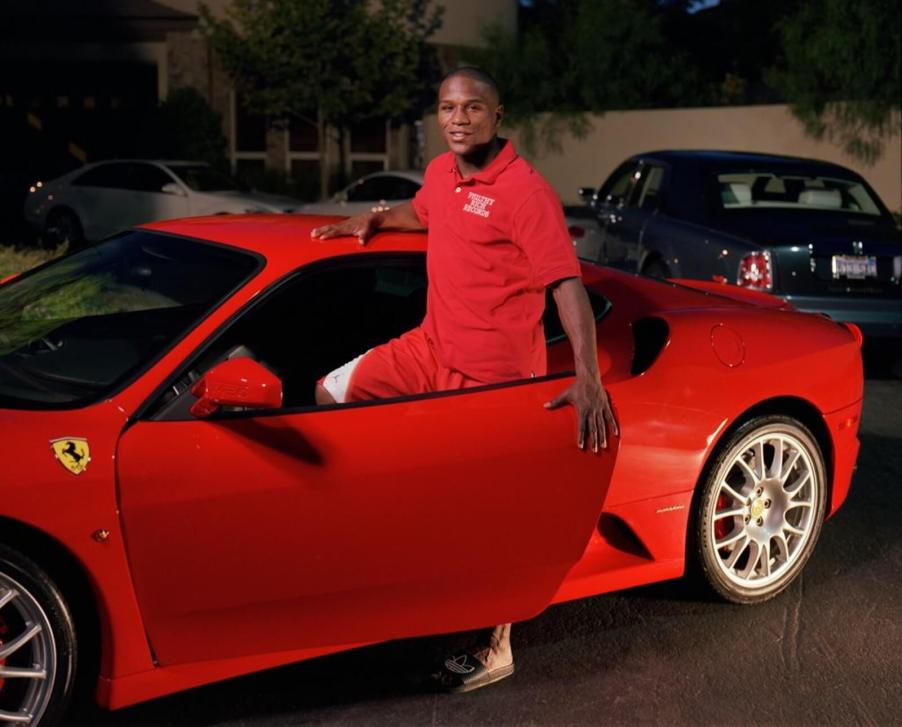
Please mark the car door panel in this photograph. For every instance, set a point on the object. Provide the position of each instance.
(355, 524)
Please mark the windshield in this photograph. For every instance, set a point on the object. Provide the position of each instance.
(202, 178)
(771, 190)
(72, 331)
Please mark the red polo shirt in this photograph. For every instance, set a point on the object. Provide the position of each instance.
(495, 241)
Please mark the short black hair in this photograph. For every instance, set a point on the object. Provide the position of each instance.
(477, 74)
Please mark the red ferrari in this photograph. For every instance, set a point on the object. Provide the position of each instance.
(166, 474)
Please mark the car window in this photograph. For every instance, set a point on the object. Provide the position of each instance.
(203, 178)
(385, 187)
(75, 329)
(769, 190)
(114, 175)
(648, 189)
(148, 178)
(616, 190)
(337, 311)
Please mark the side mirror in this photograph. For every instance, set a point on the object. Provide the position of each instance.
(587, 194)
(237, 382)
(173, 188)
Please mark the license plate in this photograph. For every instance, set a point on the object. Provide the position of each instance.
(855, 267)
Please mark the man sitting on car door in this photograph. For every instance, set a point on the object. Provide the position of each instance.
(496, 241)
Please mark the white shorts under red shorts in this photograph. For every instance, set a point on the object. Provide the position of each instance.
(405, 366)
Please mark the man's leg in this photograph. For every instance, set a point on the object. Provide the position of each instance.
(322, 396)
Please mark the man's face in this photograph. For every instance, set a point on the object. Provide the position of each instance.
(468, 114)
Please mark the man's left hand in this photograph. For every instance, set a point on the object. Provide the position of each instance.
(593, 411)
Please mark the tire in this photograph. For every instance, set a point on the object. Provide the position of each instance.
(755, 527)
(656, 268)
(31, 603)
(64, 227)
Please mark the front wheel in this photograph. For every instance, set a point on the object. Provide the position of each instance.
(761, 509)
(64, 227)
(37, 644)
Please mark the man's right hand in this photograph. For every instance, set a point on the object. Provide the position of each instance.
(363, 227)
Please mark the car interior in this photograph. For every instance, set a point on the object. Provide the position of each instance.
(321, 318)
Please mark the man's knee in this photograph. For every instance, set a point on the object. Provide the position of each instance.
(323, 396)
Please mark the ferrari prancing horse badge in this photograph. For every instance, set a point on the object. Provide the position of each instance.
(72, 453)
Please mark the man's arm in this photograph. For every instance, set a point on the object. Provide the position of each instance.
(586, 394)
(364, 226)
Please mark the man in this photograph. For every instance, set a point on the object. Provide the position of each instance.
(496, 240)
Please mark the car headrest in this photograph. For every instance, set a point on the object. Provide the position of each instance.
(736, 194)
(821, 197)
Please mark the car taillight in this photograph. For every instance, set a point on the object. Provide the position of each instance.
(576, 231)
(755, 271)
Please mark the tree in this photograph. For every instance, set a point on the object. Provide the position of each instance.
(329, 63)
(578, 56)
(841, 71)
(185, 127)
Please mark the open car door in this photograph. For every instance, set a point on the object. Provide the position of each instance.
(304, 527)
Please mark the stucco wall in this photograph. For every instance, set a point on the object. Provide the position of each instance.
(619, 134)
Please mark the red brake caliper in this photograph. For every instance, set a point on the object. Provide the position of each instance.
(722, 527)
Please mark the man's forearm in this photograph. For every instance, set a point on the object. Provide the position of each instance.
(402, 217)
(578, 321)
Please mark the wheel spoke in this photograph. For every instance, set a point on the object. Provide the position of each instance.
(8, 672)
(765, 560)
(754, 555)
(7, 595)
(760, 469)
(737, 551)
(790, 463)
(747, 470)
(782, 547)
(798, 484)
(15, 717)
(793, 530)
(776, 466)
(11, 647)
(801, 503)
(734, 512)
(729, 539)
(728, 490)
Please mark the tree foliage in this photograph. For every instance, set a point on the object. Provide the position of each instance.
(329, 63)
(841, 70)
(577, 56)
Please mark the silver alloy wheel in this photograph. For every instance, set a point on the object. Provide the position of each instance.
(27, 655)
(765, 508)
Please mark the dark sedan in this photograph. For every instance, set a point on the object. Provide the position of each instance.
(811, 232)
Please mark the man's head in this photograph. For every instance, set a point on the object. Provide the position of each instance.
(469, 110)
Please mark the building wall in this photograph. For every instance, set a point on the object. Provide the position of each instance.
(464, 20)
(619, 134)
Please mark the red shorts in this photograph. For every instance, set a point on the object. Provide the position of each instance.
(404, 366)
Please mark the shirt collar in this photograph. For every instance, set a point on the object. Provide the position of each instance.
(505, 156)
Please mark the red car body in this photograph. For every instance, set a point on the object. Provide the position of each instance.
(318, 530)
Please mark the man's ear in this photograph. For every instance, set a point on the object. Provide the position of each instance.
(499, 114)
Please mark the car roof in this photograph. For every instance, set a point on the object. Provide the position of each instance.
(284, 239)
(716, 157)
(414, 175)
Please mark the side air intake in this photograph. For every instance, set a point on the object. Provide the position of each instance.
(650, 335)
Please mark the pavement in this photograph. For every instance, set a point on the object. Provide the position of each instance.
(828, 651)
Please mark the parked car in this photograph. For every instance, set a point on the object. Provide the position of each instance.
(371, 193)
(98, 199)
(811, 232)
(382, 190)
(173, 480)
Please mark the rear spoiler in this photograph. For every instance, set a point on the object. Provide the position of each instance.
(734, 292)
